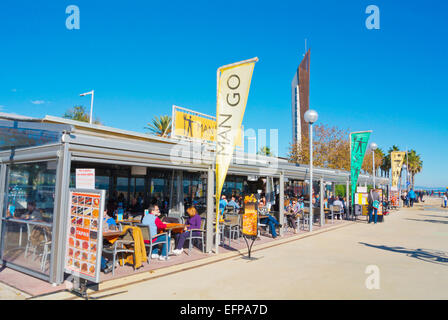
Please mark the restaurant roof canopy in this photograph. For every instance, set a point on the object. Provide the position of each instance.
(102, 144)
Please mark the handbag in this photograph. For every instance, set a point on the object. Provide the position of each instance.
(376, 203)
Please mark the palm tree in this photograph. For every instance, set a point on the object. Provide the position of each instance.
(415, 165)
(386, 165)
(160, 126)
(78, 113)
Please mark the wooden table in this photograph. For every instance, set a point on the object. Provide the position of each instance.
(131, 221)
(176, 227)
(111, 235)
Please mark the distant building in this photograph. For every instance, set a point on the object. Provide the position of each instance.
(300, 94)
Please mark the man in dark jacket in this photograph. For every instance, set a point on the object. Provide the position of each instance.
(373, 196)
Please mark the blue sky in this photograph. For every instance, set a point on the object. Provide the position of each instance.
(141, 57)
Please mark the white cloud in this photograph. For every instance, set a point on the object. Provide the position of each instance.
(37, 101)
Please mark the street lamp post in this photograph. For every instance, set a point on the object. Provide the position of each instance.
(91, 103)
(405, 167)
(373, 147)
(401, 181)
(311, 117)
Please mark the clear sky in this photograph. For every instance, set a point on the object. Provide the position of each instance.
(141, 57)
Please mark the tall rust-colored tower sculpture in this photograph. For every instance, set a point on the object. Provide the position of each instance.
(300, 89)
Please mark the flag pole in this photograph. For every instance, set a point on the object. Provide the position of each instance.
(218, 187)
(218, 72)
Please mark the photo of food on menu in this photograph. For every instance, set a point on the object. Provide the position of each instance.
(83, 233)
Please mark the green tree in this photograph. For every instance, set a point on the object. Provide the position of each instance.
(331, 148)
(415, 165)
(265, 151)
(367, 164)
(160, 126)
(78, 113)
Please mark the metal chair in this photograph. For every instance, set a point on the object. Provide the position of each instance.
(197, 237)
(261, 211)
(148, 239)
(335, 209)
(44, 244)
(46, 251)
(119, 247)
(233, 226)
(29, 244)
(121, 224)
(229, 210)
(303, 220)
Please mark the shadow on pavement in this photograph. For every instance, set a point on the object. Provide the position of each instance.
(429, 220)
(428, 215)
(428, 255)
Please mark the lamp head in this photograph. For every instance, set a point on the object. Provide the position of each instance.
(84, 94)
(311, 116)
(373, 146)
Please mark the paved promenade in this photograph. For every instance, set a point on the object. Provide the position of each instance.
(409, 251)
(409, 248)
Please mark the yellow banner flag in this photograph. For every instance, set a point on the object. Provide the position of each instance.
(233, 91)
(396, 159)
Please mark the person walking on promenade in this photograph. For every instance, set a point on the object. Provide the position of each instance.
(411, 197)
(374, 202)
(445, 199)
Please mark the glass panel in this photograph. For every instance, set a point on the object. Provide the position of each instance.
(20, 134)
(139, 188)
(122, 189)
(27, 229)
(157, 188)
(102, 183)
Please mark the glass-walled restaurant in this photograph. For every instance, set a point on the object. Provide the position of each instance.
(38, 162)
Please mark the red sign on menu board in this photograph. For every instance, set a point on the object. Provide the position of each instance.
(82, 234)
(84, 242)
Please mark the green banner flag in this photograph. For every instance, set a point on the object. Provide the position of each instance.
(358, 145)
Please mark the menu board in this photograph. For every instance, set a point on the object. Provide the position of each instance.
(361, 198)
(84, 233)
(250, 219)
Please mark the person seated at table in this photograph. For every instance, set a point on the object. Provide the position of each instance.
(194, 222)
(31, 212)
(156, 226)
(269, 220)
(234, 204)
(292, 211)
(222, 204)
(338, 202)
(108, 225)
